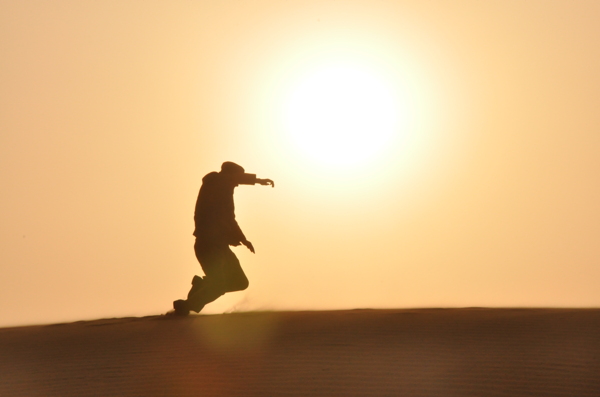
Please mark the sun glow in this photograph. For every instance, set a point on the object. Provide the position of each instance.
(342, 115)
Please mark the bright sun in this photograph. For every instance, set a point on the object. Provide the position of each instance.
(341, 115)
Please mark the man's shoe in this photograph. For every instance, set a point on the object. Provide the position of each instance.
(181, 307)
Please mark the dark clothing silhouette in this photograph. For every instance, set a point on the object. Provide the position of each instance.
(215, 212)
(216, 229)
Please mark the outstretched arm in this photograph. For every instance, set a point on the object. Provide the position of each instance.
(251, 179)
(265, 182)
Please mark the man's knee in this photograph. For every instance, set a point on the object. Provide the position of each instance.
(244, 284)
(239, 285)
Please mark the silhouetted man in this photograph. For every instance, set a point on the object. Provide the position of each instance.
(216, 230)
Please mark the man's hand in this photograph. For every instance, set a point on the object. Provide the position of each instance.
(266, 182)
(249, 245)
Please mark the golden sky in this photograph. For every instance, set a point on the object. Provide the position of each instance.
(473, 179)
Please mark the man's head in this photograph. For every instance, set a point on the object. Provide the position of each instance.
(232, 168)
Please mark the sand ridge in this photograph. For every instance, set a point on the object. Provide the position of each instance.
(418, 352)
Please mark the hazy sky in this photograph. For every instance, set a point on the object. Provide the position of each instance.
(473, 179)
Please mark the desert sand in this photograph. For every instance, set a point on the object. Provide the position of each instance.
(419, 352)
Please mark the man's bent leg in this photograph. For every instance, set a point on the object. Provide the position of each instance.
(212, 258)
(223, 274)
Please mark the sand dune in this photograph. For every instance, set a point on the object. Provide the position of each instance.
(429, 352)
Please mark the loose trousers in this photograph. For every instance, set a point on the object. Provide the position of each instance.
(223, 273)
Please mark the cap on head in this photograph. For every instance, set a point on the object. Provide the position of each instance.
(229, 167)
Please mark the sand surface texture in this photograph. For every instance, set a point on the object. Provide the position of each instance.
(432, 352)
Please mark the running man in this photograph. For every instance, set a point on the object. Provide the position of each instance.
(216, 230)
